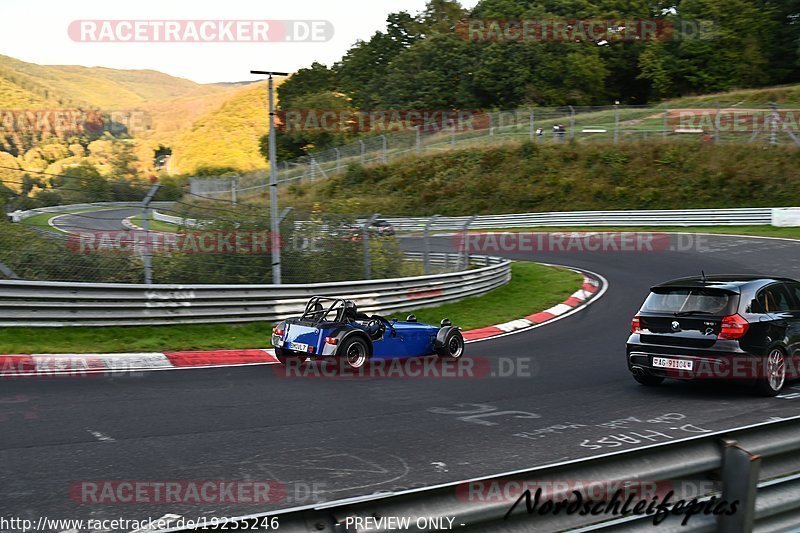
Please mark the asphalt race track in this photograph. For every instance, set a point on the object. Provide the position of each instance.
(105, 220)
(567, 394)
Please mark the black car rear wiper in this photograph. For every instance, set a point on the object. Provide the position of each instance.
(690, 313)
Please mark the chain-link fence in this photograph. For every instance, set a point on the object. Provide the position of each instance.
(198, 240)
(704, 123)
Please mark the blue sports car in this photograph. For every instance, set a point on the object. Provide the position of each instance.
(333, 328)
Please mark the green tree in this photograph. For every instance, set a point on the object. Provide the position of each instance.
(303, 133)
(314, 79)
(83, 183)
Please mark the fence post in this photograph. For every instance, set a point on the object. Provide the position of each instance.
(284, 214)
(426, 251)
(462, 263)
(419, 139)
(147, 257)
(365, 240)
(385, 144)
(773, 119)
(716, 124)
(616, 123)
(453, 136)
(7, 272)
(338, 159)
(363, 151)
(571, 122)
(233, 190)
(666, 120)
(532, 126)
(740, 470)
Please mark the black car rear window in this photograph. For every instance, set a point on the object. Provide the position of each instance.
(690, 300)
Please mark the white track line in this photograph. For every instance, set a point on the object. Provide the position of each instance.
(599, 294)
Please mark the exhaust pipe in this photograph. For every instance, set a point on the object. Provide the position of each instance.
(637, 371)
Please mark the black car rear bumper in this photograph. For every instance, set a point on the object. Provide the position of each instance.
(726, 361)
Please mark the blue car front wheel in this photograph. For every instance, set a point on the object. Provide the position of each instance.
(453, 345)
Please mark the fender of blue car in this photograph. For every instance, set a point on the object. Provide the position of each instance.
(347, 333)
(442, 335)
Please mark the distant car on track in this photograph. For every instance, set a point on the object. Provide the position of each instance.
(333, 328)
(728, 327)
(382, 228)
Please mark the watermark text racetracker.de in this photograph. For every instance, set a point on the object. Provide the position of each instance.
(200, 242)
(598, 31)
(389, 120)
(538, 242)
(200, 31)
(64, 121)
(474, 367)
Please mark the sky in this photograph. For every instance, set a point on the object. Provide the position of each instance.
(37, 32)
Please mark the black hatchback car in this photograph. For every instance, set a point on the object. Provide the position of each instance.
(718, 327)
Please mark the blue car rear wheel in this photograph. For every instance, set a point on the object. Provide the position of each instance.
(354, 352)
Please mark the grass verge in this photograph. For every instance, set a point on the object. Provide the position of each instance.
(533, 288)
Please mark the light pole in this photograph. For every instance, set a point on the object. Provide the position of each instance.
(275, 230)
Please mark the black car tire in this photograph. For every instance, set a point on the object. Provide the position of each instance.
(288, 358)
(453, 345)
(765, 386)
(647, 380)
(354, 353)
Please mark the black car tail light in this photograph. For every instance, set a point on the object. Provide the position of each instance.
(636, 325)
(733, 327)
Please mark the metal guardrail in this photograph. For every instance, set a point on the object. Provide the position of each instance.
(755, 466)
(623, 218)
(755, 216)
(53, 304)
(178, 221)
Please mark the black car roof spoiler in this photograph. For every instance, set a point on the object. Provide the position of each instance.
(724, 282)
(722, 287)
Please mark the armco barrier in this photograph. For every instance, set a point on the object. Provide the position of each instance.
(756, 216)
(754, 466)
(680, 217)
(53, 304)
(178, 221)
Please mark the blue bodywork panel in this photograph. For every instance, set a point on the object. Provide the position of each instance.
(409, 339)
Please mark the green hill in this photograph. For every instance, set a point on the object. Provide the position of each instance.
(205, 125)
(26, 84)
(225, 136)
